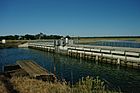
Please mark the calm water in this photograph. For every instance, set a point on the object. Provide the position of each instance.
(118, 43)
(71, 69)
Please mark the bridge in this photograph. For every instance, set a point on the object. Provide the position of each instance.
(123, 56)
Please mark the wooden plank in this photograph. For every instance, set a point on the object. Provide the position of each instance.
(32, 68)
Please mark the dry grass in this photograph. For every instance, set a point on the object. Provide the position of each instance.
(92, 40)
(26, 85)
(12, 43)
(85, 85)
(2, 87)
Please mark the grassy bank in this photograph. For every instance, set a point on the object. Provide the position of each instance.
(94, 39)
(2, 87)
(27, 85)
(12, 43)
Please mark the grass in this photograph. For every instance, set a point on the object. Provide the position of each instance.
(85, 85)
(2, 88)
(12, 43)
(25, 84)
(92, 40)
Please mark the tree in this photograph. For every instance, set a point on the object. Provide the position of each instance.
(68, 37)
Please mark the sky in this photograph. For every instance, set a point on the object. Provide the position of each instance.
(70, 17)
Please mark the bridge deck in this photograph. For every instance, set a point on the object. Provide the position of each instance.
(107, 47)
(32, 68)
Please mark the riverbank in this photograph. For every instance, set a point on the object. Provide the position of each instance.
(20, 84)
(92, 40)
(12, 43)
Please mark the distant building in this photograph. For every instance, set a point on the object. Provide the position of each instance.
(66, 40)
(3, 41)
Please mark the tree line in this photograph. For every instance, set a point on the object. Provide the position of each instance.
(31, 37)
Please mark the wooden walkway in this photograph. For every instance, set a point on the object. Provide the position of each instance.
(34, 70)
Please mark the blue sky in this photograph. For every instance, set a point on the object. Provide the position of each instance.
(70, 17)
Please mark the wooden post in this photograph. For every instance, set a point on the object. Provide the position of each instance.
(80, 55)
(118, 61)
(96, 58)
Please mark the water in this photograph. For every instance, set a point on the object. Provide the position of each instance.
(118, 43)
(72, 69)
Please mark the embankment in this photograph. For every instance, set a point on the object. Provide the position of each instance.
(12, 43)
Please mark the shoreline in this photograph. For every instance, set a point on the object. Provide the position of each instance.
(24, 84)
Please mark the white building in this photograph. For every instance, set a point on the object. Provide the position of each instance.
(3, 41)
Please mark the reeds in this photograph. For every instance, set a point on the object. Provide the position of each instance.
(90, 85)
(26, 85)
(2, 87)
(85, 85)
